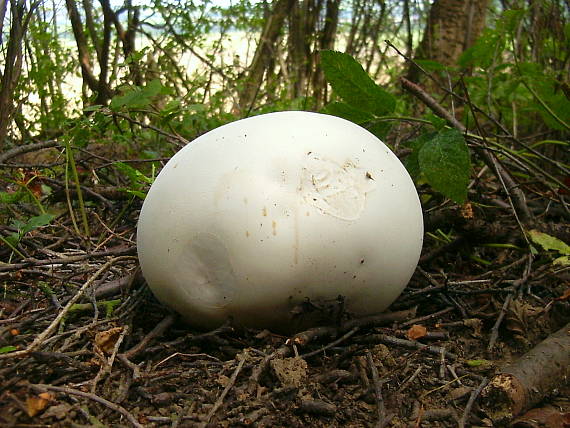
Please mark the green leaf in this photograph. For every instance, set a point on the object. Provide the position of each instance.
(134, 175)
(446, 164)
(430, 65)
(479, 363)
(490, 45)
(347, 112)
(563, 261)
(139, 97)
(6, 349)
(412, 162)
(35, 222)
(549, 243)
(354, 86)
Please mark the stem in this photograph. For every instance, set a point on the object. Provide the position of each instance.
(14, 249)
(70, 162)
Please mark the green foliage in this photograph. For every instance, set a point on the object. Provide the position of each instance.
(443, 159)
(364, 102)
(138, 97)
(24, 227)
(138, 181)
(524, 82)
(6, 349)
(550, 243)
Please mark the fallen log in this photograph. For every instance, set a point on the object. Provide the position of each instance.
(528, 380)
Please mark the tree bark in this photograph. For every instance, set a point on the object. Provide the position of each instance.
(452, 27)
(263, 53)
(13, 62)
(326, 41)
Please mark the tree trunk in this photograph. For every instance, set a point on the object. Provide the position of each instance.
(326, 41)
(13, 61)
(263, 53)
(452, 27)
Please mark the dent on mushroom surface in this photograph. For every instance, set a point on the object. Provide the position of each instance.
(270, 219)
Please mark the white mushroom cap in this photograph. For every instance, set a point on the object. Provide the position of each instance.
(261, 214)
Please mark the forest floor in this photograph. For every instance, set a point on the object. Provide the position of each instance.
(84, 343)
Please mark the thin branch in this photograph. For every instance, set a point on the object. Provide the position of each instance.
(510, 186)
(53, 325)
(92, 397)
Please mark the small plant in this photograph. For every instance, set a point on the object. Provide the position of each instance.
(137, 180)
(559, 248)
(23, 228)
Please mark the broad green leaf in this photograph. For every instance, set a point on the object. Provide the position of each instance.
(35, 222)
(446, 164)
(6, 349)
(370, 122)
(563, 261)
(430, 65)
(549, 243)
(510, 19)
(490, 45)
(347, 112)
(349, 80)
(412, 162)
(139, 96)
(378, 127)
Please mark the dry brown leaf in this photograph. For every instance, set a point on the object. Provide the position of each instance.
(106, 340)
(37, 404)
(416, 332)
(467, 211)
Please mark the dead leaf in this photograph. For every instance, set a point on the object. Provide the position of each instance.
(467, 211)
(37, 404)
(416, 332)
(106, 340)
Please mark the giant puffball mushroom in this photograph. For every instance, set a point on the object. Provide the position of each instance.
(261, 216)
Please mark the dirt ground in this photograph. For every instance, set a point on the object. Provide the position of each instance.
(84, 343)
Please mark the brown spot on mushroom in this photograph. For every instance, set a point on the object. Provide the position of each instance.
(247, 234)
(264, 211)
(274, 227)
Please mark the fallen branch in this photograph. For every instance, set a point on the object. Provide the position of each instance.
(534, 376)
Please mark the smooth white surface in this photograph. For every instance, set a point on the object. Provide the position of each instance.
(261, 214)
